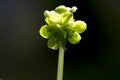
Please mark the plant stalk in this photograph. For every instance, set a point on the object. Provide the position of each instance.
(60, 63)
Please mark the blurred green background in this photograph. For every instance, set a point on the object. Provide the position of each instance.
(24, 54)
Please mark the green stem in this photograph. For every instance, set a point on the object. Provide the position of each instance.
(60, 63)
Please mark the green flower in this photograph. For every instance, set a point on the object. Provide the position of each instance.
(61, 26)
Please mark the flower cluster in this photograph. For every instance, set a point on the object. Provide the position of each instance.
(61, 26)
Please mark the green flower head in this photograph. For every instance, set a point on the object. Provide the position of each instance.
(61, 26)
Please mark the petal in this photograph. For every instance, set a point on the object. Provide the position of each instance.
(53, 44)
(79, 26)
(74, 38)
(44, 31)
(67, 18)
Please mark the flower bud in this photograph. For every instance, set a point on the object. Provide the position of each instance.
(46, 13)
(73, 9)
(79, 26)
(61, 9)
(74, 38)
(53, 44)
(44, 31)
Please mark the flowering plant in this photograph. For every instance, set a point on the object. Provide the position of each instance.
(61, 26)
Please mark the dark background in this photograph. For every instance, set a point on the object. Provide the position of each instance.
(24, 54)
